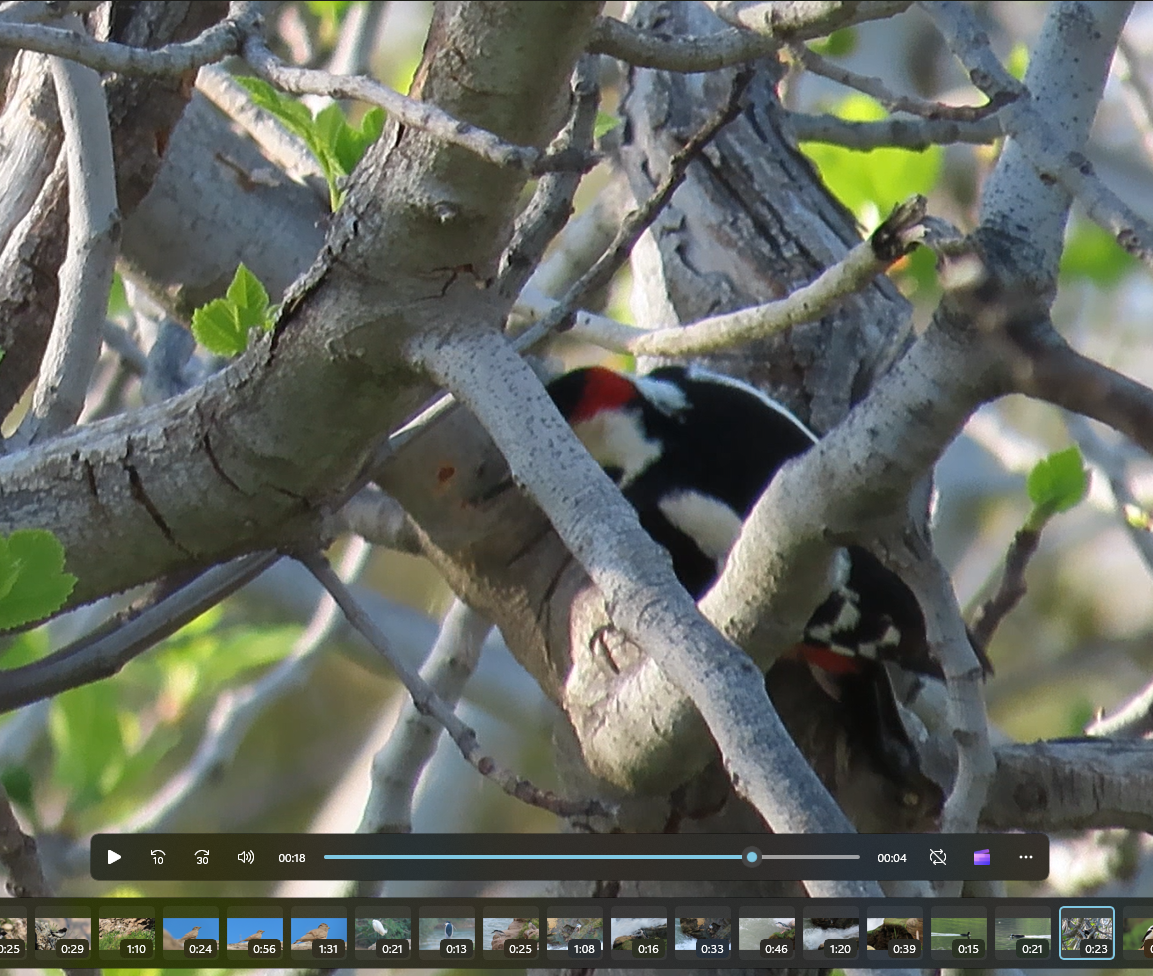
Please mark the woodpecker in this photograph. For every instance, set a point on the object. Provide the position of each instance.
(692, 451)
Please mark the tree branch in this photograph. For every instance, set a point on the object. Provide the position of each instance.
(215, 43)
(706, 52)
(399, 765)
(104, 652)
(635, 576)
(916, 134)
(93, 236)
(1072, 785)
(877, 90)
(427, 702)
(804, 21)
(410, 111)
(237, 709)
(888, 243)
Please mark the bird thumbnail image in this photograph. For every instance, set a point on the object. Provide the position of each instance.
(320, 932)
(255, 935)
(448, 930)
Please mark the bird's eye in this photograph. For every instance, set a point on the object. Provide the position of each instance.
(617, 474)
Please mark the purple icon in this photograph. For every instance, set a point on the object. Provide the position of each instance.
(981, 857)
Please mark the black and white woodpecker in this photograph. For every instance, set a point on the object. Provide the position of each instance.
(692, 451)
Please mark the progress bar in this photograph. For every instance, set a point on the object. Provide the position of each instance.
(565, 857)
(591, 857)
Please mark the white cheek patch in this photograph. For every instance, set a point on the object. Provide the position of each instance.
(617, 440)
(710, 523)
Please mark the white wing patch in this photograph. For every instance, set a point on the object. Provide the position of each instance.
(710, 523)
(664, 395)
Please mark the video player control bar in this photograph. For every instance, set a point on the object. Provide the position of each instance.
(543, 857)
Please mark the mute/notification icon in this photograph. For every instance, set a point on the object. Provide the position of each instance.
(981, 857)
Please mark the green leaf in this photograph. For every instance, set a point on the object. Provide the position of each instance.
(330, 13)
(837, 45)
(87, 747)
(217, 328)
(17, 782)
(117, 298)
(222, 326)
(337, 145)
(1056, 484)
(247, 292)
(40, 585)
(1092, 253)
(1018, 61)
(249, 300)
(871, 183)
(293, 115)
(605, 124)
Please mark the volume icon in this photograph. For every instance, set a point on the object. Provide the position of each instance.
(246, 857)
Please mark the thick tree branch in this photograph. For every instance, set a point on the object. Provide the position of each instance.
(1071, 785)
(707, 52)
(244, 462)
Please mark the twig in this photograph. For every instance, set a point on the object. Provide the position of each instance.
(708, 52)
(1111, 463)
(219, 41)
(606, 266)
(901, 132)
(109, 648)
(427, 703)
(970, 45)
(236, 710)
(888, 243)
(1011, 589)
(412, 112)
(117, 339)
(804, 21)
(1035, 135)
(875, 88)
(398, 766)
(551, 204)
(1133, 720)
(93, 234)
(637, 222)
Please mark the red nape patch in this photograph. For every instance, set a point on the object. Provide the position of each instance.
(825, 658)
(603, 390)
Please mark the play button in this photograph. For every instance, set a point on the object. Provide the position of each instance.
(113, 857)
